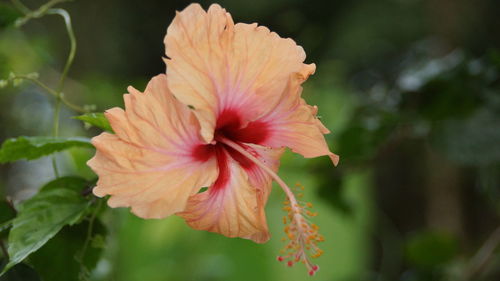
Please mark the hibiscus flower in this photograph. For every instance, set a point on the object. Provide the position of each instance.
(221, 116)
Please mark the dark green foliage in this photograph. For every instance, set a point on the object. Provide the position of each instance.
(97, 120)
(330, 184)
(20, 272)
(8, 15)
(360, 141)
(473, 141)
(428, 250)
(7, 213)
(452, 107)
(35, 147)
(65, 251)
(41, 217)
(453, 104)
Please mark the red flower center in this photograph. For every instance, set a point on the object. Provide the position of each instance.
(229, 125)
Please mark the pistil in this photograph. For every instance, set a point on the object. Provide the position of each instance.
(303, 236)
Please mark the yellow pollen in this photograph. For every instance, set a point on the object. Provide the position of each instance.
(301, 236)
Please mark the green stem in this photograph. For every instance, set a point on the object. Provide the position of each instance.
(72, 40)
(55, 131)
(40, 12)
(60, 86)
(90, 230)
(4, 250)
(479, 261)
(21, 7)
(51, 92)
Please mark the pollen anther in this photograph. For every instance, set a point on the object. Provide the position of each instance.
(302, 236)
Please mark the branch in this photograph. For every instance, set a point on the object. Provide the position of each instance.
(483, 255)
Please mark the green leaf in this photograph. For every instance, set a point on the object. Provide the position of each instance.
(62, 252)
(77, 184)
(96, 119)
(59, 203)
(35, 147)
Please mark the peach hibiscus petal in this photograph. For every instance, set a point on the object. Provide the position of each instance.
(215, 66)
(234, 205)
(145, 166)
(294, 124)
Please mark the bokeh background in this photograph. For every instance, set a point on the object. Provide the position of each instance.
(409, 88)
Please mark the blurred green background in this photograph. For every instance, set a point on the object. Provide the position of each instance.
(409, 88)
